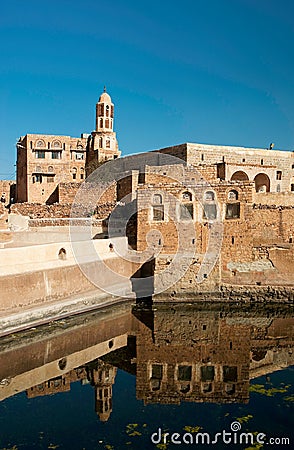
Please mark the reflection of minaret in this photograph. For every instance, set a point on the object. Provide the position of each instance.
(103, 377)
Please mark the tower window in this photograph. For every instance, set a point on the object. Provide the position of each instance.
(279, 175)
(100, 109)
(106, 123)
(101, 123)
(107, 111)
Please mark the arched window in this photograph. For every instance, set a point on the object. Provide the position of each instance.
(81, 173)
(187, 210)
(233, 195)
(233, 207)
(186, 196)
(74, 173)
(56, 144)
(101, 123)
(239, 176)
(40, 143)
(157, 208)
(100, 142)
(107, 110)
(157, 199)
(209, 195)
(262, 183)
(209, 206)
(38, 169)
(107, 143)
(50, 169)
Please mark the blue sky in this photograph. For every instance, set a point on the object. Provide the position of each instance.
(208, 71)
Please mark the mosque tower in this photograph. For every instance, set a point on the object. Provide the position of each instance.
(103, 144)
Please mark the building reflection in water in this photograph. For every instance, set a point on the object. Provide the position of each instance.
(193, 353)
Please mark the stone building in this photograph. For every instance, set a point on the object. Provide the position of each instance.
(224, 230)
(44, 162)
(270, 170)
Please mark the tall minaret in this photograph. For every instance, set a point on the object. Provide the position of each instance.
(104, 113)
(103, 144)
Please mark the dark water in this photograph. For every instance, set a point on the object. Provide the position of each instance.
(115, 380)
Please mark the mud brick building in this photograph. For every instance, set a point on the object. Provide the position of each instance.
(195, 212)
(44, 162)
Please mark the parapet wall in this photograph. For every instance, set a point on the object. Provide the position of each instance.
(50, 272)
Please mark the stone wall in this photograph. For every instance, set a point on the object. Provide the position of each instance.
(7, 190)
(272, 224)
(256, 244)
(40, 211)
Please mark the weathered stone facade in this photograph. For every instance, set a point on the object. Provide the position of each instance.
(255, 240)
(270, 170)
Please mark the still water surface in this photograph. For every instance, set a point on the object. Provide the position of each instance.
(111, 379)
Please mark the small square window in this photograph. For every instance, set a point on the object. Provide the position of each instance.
(207, 373)
(158, 213)
(184, 373)
(209, 211)
(233, 210)
(186, 212)
(279, 175)
(230, 374)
